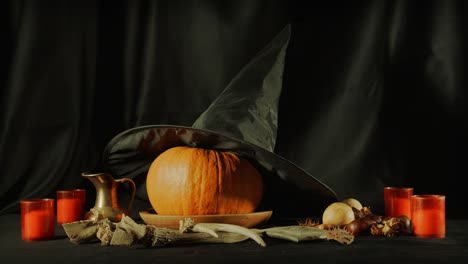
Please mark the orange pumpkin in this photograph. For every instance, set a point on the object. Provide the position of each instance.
(195, 181)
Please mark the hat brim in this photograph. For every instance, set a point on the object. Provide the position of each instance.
(288, 190)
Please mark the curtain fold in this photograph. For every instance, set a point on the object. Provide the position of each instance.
(47, 99)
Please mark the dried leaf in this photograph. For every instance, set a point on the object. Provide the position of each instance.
(302, 233)
(296, 233)
(81, 231)
(127, 232)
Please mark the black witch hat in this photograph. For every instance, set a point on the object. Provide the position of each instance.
(242, 120)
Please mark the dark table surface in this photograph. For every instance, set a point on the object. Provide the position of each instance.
(365, 249)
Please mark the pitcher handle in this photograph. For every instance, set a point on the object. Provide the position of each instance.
(132, 183)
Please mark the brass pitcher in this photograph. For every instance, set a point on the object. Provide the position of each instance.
(107, 204)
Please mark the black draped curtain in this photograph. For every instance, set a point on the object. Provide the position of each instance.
(373, 94)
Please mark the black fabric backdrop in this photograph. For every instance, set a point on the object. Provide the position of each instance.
(373, 91)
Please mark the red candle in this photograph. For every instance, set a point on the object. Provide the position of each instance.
(70, 205)
(428, 215)
(397, 201)
(37, 219)
(401, 206)
(69, 210)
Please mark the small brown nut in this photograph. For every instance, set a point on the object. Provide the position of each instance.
(354, 228)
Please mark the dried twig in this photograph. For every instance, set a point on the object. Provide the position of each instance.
(188, 225)
(128, 232)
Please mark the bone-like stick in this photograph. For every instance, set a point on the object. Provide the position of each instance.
(204, 229)
(232, 229)
(188, 225)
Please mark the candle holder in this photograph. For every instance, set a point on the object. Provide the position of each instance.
(37, 219)
(397, 201)
(428, 215)
(70, 205)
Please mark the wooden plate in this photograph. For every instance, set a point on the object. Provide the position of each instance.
(172, 221)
